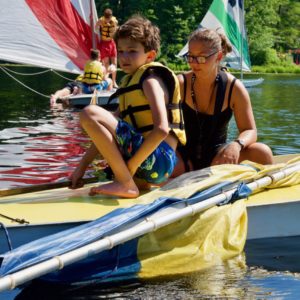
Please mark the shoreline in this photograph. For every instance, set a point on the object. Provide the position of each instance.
(276, 69)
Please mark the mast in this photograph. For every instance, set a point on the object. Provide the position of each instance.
(92, 24)
(242, 26)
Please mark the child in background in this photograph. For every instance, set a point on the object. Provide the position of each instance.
(94, 76)
(107, 25)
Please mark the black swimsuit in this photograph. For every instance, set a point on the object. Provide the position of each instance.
(206, 133)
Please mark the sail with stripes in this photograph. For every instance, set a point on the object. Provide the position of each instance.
(54, 34)
(227, 16)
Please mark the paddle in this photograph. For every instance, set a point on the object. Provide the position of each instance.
(41, 187)
(151, 223)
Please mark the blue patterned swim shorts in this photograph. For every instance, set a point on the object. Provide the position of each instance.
(89, 88)
(158, 166)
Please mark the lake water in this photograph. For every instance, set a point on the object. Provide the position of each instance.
(39, 144)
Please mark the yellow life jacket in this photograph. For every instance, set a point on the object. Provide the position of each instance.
(135, 108)
(93, 72)
(107, 29)
(79, 78)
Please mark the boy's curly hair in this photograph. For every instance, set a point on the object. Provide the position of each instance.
(141, 30)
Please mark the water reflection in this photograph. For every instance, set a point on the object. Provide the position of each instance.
(229, 280)
(42, 150)
(39, 144)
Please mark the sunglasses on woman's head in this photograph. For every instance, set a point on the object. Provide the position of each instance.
(198, 59)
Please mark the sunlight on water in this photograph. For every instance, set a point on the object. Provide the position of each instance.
(39, 145)
(229, 280)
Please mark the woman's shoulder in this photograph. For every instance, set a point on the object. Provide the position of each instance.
(238, 85)
(184, 75)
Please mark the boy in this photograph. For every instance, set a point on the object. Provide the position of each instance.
(143, 141)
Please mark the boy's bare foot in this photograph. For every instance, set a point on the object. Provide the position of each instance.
(115, 188)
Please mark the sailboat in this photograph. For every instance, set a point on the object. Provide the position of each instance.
(53, 34)
(227, 17)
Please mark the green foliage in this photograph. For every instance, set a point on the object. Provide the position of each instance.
(271, 24)
(288, 29)
(276, 69)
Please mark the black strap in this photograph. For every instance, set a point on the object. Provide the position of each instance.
(184, 87)
(88, 75)
(133, 109)
(150, 127)
(173, 106)
(131, 116)
(230, 91)
(221, 90)
(123, 90)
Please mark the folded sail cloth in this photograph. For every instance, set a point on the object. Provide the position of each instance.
(191, 244)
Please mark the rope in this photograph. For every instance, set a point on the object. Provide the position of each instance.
(7, 71)
(17, 220)
(69, 79)
(23, 84)
(37, 73)
(26, 74)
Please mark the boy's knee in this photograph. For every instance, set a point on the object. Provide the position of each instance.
(86, 114)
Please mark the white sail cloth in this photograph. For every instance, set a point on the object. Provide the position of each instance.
(54, 34)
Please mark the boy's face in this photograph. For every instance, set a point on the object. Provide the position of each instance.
(132, 55)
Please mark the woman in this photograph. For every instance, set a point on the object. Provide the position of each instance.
(210, 97)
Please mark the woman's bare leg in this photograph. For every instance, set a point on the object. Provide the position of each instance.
(257, 152)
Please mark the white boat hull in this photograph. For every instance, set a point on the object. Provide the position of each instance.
(252, 82)
(82, 100)
(274, 220)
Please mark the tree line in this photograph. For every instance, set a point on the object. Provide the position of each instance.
(273, 26)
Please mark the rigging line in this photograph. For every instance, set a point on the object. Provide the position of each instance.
(23, 84)
(37, 73)
(17, 220)
(62, 75)
(26, 74)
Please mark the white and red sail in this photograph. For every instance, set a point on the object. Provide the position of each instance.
(54, 34)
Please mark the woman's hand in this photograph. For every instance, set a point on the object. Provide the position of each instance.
(228, 154)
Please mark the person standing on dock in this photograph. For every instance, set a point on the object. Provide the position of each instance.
(107, 26)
